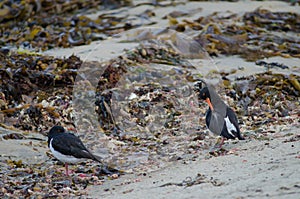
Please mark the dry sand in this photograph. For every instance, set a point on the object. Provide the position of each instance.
(260, 169)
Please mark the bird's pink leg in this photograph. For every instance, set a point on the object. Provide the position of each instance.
(218, 146)
(222, 142)
(219, 143)
(67, 171)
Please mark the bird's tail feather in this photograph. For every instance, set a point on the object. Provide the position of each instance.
(98, 158)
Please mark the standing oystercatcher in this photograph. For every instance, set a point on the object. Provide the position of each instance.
(67, 147)
(220, 118)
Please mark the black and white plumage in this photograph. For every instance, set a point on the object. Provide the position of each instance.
(220, 118)
(67, 147)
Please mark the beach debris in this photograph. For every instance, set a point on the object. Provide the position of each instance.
(15, 136)
(271, 65)
(199, 179)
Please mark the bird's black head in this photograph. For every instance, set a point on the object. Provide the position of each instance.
(55, 130)
(204, 93)
(200, 87)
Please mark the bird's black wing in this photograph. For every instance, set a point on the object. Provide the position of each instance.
(69, 144)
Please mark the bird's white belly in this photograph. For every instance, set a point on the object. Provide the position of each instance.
(64, 158)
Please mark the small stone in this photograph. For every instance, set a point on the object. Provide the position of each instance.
(114, 176)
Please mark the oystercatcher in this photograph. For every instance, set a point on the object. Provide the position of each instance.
(220, 119)
(67, 147)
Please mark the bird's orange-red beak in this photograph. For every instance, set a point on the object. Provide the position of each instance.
(209, 104)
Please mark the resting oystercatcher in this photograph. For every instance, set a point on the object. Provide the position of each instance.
(67, 147)
(220, 119)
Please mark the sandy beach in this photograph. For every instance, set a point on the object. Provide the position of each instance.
(254, 168)
(259, 169)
